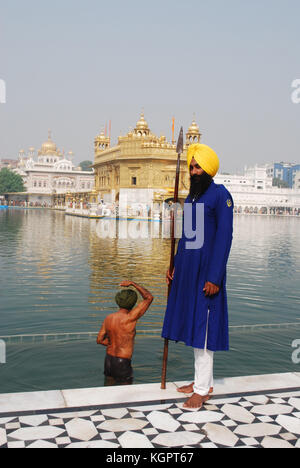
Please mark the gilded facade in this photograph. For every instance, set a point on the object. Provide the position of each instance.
(142, 166)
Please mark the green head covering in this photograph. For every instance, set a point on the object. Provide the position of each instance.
(126, 299)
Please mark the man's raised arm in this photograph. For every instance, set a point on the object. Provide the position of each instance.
(139, 310)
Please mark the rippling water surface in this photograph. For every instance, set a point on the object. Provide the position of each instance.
(57, 275)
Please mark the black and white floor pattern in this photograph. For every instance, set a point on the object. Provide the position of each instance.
(259, 420)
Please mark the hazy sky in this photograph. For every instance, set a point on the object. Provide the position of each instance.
(72, 65)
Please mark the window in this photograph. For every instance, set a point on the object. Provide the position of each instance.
(133, 180)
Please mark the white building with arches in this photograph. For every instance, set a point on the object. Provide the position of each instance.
(253, 192)
(49, 172)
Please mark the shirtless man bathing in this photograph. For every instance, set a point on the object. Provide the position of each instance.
(119, 329)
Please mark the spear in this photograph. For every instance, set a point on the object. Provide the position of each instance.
(179, 151)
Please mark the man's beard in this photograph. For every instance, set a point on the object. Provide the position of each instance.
(199, 185)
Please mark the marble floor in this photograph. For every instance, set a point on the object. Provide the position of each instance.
(245, 412)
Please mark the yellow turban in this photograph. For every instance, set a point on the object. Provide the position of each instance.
(205, 157)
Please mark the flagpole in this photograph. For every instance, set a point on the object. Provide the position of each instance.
(173, 130)
(179, 150)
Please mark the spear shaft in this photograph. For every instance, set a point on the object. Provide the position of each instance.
(179, 150)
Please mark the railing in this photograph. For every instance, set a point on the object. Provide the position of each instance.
(69, 336)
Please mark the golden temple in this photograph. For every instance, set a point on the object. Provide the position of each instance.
(141, 166)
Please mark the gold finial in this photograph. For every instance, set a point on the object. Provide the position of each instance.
(193, 134)
(49, 135)
(194, 127)
(142, 124)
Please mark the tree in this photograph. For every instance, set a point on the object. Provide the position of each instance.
(10, 182)
(86, 166)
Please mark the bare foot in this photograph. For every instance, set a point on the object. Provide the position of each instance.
(186, 388)
(196, 401)
(190, 389)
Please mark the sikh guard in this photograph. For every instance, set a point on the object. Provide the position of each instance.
(197, 312)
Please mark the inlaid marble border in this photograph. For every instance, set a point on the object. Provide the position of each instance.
(269, 420)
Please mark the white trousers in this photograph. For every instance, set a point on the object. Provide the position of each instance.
(204, 365)
(204, 368)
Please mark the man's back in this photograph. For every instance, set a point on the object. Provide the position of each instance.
(120, 331)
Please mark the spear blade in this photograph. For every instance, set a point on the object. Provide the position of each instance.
(179, 148)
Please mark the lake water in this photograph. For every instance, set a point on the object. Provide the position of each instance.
(58, 276)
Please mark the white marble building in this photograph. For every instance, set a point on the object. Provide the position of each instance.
(253, 192)
(50, 172)
(257, 177)
(296, 180)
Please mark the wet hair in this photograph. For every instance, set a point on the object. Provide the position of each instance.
(126, 299)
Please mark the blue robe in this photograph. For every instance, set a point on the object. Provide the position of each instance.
(187, 317)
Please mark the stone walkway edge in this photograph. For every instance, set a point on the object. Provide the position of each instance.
(143, 394)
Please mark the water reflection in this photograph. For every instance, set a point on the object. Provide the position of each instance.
(58, 275)
(143, 260)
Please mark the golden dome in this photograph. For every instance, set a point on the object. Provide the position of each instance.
(194, 129)
(49, 147)
(142, 124)
(193, 135)
(102, 136)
